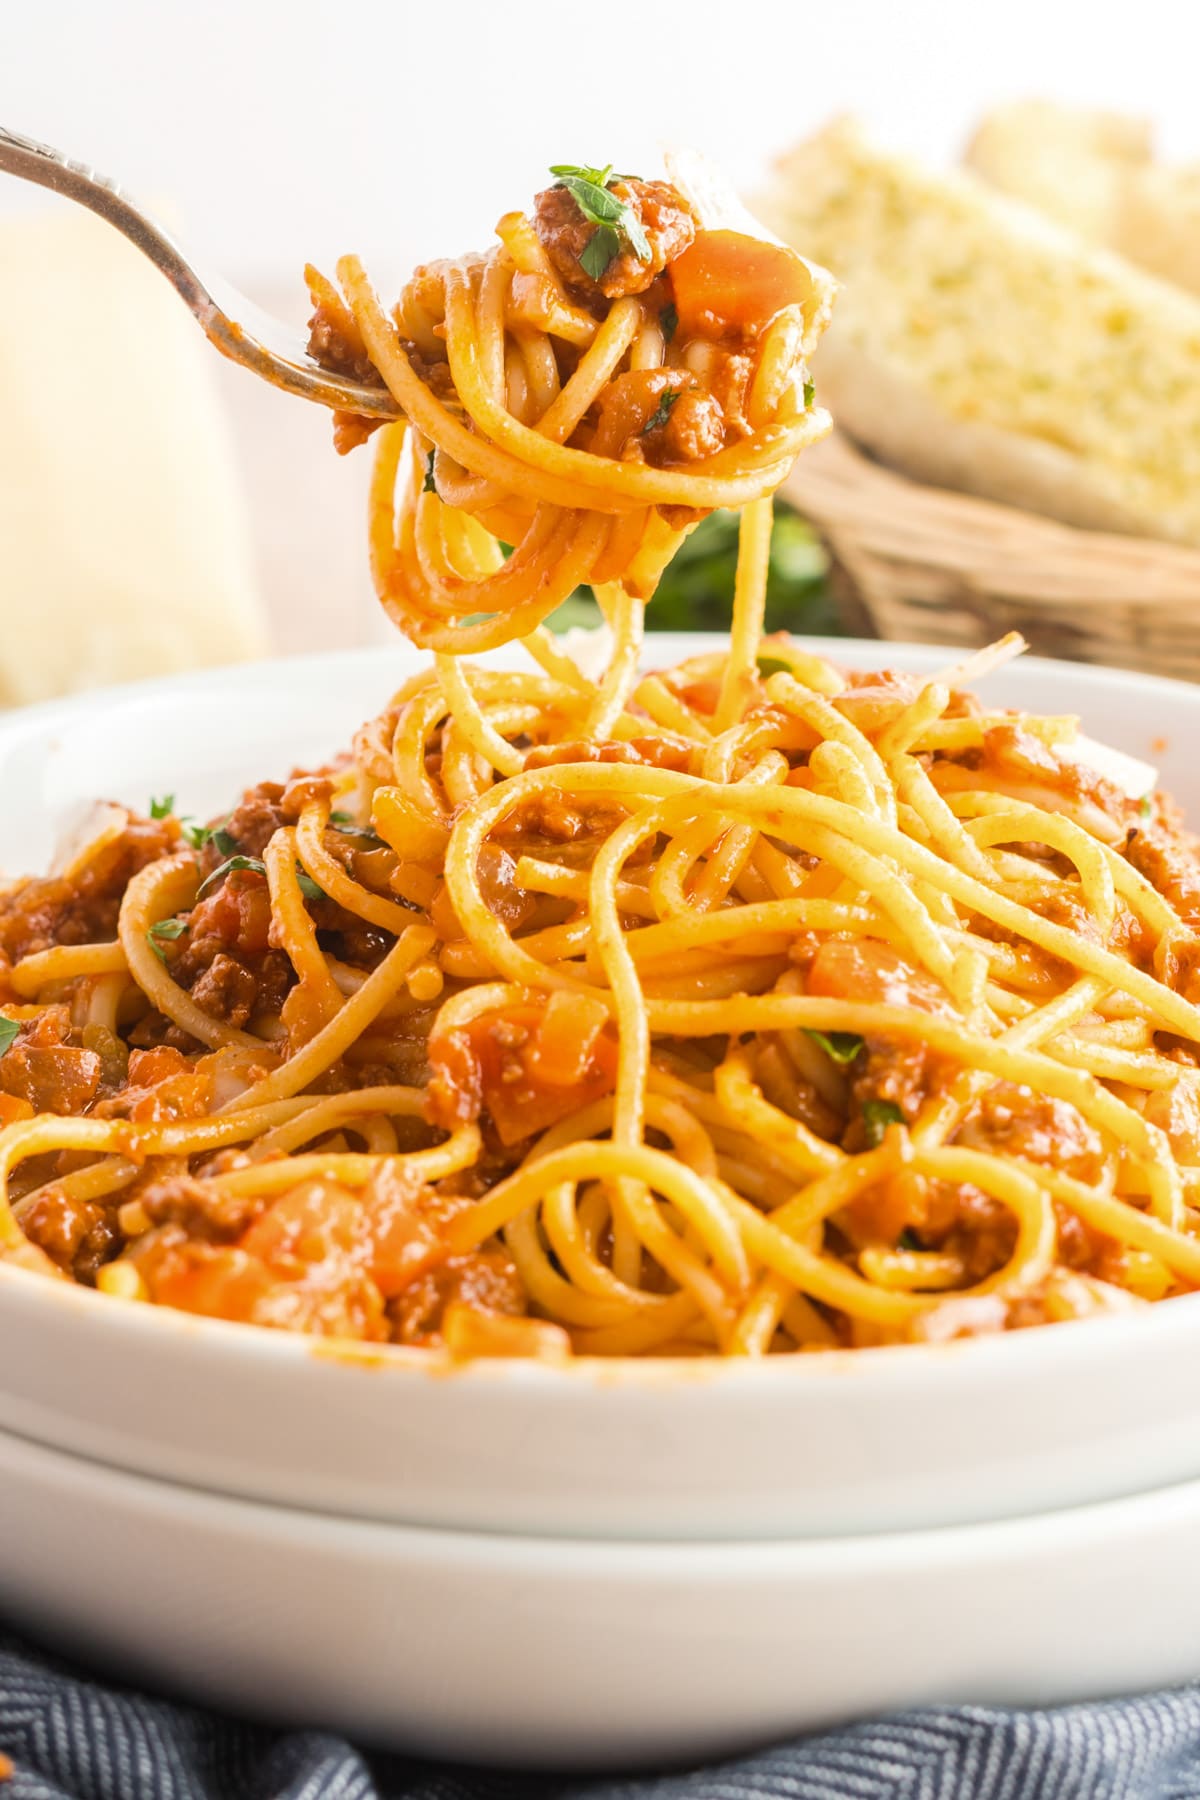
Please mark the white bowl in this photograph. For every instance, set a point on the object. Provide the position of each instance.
(542, 1651)
(866, 1441)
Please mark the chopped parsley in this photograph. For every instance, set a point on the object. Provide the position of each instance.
(164, 928)
(877, 1116)
(842, 1046)
(223, 840)
(668, 321)
(230, 866)
(1147, 807)
(810, 393)
(8, 1032)
(308, 887)
(429, 486)
(196, 835)
(162, 809)
(775, 665)
(908, 1240)
(613, 217)
(662, 411)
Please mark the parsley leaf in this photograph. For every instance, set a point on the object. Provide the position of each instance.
(197, 835)
(877, 1116)
(842, 1046)
(775, 665)
(668, 321)
(223, 840)
(662, 412)
(344, 822)
(810, 393)
(229, 867)
(613, 217)
(308, 887)
(162, 809)
(8, 1032)
(599, 251)
(429, 485)
(1146, 808)
(165, 928)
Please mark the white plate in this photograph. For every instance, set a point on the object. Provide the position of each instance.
(867, 1441)
(538, 1651)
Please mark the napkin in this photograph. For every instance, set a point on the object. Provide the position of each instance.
(124, 548)
(72, 1736)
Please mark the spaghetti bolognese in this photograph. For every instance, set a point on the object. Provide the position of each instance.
(747, 1007)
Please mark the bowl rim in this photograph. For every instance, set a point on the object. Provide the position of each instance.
(1006, 1352)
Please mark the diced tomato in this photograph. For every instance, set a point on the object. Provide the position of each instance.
(867, 970)
(512, 1065)
(12, 1108)
(163, 1084)
(726, 281)
(237, 911)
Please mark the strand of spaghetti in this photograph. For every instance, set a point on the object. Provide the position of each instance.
(325, 1113)
(332, 879)
(624, 615)
(157, 892)
(611, 484)
(476, 452)
(460, 1151)
(65, 962)
(783, 690)
(595, 369)
(293, 927)
(1026, 1068)
(334, 1039)
(739, 680)
(456, 691)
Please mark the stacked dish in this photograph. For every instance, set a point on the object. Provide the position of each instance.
(595, 1562)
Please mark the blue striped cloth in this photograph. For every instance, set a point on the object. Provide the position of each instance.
(71, 1737)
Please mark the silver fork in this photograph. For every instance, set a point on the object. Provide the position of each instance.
(234, 325)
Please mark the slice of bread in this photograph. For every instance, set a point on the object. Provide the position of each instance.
(977, 346)
(1096, 173)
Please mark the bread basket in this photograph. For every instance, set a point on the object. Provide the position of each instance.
(930, 566)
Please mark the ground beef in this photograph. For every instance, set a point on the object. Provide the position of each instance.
(1169, 862)
(486, 1280)
(37, 914)
(667, 219)
(1014, 1121)
(78, 1235)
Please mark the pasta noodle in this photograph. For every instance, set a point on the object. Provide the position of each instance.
(744, 1007)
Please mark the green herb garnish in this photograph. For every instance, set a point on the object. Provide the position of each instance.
(162, 809)
(662, 411)
(613, 217)
(842, 1046)
(8, 1032)
(429, 486)
(230, 866)
(223, 840)
(908, 1240)
(877, 1116)
(773, 665)
(196, 835)
(668, 321)
(308, 887)
(164, 928)
(1147, 807)
(810, 393)
(344, 822)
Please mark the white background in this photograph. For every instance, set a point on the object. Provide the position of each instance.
(281, 131)
(273, 133)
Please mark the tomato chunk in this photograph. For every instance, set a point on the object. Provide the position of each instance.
(527, 1067)
(726, 281)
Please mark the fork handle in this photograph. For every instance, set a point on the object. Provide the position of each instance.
(231, 335)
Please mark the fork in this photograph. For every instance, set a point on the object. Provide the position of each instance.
(234, 325)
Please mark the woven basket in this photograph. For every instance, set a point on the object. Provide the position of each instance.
(936, 567)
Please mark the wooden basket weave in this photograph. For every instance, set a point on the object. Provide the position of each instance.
(936, 567)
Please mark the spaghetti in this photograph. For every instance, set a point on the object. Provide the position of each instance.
(742, 1007)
